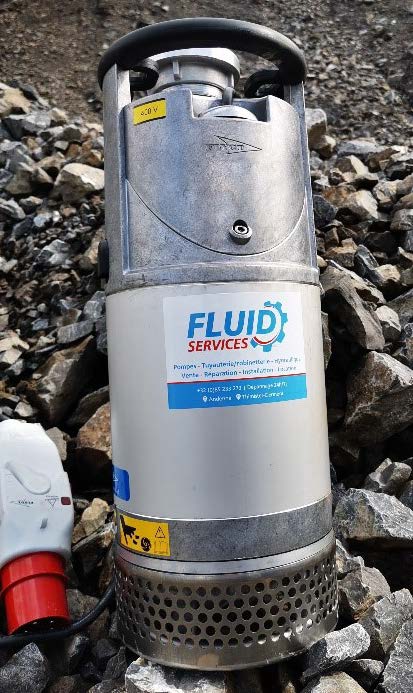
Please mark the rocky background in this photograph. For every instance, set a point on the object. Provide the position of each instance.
(53, 369)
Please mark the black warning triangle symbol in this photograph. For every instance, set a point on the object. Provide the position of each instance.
(51, 501)
(159, 534)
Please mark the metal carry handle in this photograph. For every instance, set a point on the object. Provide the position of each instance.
(206, 32)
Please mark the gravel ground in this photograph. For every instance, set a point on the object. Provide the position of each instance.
(359, 55)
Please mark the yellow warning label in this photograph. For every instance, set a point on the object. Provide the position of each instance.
(153, 110)
(143, 536)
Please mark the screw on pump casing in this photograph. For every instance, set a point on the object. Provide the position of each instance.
(240, 232)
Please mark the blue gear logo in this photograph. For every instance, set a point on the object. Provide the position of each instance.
(278, 336)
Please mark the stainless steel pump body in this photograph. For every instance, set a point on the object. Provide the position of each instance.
(225, 552)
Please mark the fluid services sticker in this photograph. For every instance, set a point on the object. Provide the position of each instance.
(228, 350)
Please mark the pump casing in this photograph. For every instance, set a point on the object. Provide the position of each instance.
(225, 551)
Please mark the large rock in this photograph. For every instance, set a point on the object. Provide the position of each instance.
(398, 674)
(343, 302)
(389, 477)
(57, 385)
(26, 672)
(374, 518)
(360, 206)
(365, 289)
(88, 405)
(316, 120)
(79, 605)
(345, 561)
(94, 442)
(403, 305)
(406, 496)
(380, 399)
(145, 677)
(12, 100)
(338, 682)
(366, 672)
(334, 650)
(78, 180)
(390, 323)
(384, 620)
(359, 589)
(93, 517)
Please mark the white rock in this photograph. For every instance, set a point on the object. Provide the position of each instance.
(77, 180)
(145, 677)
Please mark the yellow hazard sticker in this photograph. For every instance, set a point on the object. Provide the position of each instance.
(144, 536)
(152, 110)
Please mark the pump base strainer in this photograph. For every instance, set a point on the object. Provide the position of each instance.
(203, 621)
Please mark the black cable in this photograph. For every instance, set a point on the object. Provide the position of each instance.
(75, 627)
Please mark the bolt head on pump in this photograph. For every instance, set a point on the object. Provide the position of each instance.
(36, 522)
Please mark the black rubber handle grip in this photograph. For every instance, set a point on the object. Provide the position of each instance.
(206, 32)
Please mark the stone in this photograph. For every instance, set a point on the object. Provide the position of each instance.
(385, 193)
(93, 517)
(384, 620)
(398, 672)
(362, 148)
(359, 589)
(399, 165)
(343, 302)
(93, 440)
(351, 165)
(326, 339)
(380, 399)
(402, 220)
(375, 519)
(24, 410)
(326, 146)
(344, 254)
(339, 682)
(81, 604)
(102, 651)
(403, 305)
(12, 100)
(27, 124)
(316, 121)
(95, 306)
(26, 671)
(389, 477)
(55, 254)
(72, 652)
(366, 672)
(365, 289)
(145, 677)
(61, 379)
(390, 323)
(324, 211)
(76, 181)
(90, 550)
(116, 666)
(67, 334)
(334, 650)
(360, 206)
(59, 439)
(58, 116)
(406, 496)
(88, 405)
(345, 562)
(9, 209)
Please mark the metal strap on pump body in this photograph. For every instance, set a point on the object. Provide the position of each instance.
(206, 32)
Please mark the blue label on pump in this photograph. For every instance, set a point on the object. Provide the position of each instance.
(121, 487)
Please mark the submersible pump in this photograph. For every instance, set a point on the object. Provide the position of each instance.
(225, 551)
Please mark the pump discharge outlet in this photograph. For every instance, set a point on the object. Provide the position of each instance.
(225, 555)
